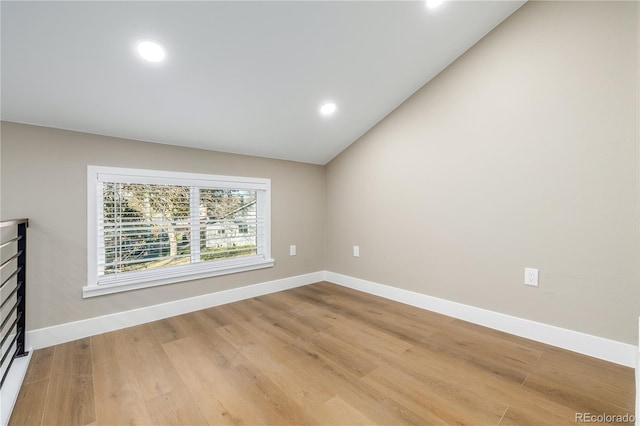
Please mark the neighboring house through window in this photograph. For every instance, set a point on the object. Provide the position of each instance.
(148, 227)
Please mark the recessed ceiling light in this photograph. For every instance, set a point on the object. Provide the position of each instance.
(151, 51)
(328, 108)
(432, 4)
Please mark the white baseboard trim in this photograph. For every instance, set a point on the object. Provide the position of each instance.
(11, 387)
(57, 334)
(637, 422)
(597, 347)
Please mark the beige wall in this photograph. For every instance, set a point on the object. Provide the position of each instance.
(44, 179)
(524, 152)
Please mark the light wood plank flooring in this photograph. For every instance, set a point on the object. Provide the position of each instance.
(320, 354)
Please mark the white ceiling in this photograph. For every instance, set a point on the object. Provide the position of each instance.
(242, 77)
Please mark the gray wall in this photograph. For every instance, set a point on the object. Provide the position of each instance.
(523, 153)
(44, 179)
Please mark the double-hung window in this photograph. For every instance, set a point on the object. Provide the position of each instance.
(148, 227)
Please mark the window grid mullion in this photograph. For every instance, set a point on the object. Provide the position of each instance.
(260, 225)
(194, 210)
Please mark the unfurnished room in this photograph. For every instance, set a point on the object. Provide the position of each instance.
(319, 212)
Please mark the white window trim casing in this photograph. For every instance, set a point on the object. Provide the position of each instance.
(179, 273)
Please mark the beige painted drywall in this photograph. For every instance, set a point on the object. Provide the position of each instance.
(522, 153)
(44, 179)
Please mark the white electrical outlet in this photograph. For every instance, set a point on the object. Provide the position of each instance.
(356, 251)
(531, 276)
(292, 250)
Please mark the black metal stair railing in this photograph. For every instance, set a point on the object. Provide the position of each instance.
(13, 279)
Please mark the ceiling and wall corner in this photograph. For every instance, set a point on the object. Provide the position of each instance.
(239, 77)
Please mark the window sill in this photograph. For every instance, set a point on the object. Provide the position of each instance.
(102, 289)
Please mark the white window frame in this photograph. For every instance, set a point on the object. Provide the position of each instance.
(171, 274)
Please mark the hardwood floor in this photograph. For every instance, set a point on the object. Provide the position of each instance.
(320, 354)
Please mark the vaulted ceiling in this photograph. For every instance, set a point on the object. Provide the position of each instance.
(241, 77)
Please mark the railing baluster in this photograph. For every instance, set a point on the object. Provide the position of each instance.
(22, 290)
(12, 338)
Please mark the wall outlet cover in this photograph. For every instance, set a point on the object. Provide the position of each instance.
(531, 276)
